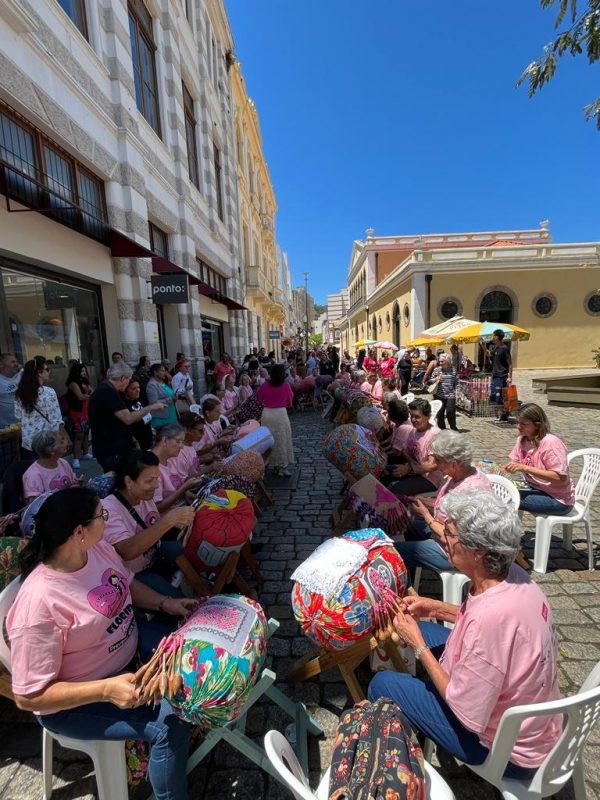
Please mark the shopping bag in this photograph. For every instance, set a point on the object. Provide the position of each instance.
(510, 398)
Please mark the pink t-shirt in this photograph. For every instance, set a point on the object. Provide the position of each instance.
(38, 479)
(366, 388)
(400, 436)
(550, 454)
(502, 653)
(212, 432)
(476, 481)
(275, 396)
(377, 393)
(230, 400)
(245, 393)
(121, 525)
(188, 462)
(170, 478)
(417, 447)
(72, 626)
(221, 370)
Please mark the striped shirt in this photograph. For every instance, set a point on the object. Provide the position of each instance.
(447, 382)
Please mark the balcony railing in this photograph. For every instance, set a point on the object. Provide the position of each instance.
(256, 279)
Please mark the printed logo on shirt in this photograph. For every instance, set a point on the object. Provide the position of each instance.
(545, 612)
(108, 598)
(176, 479)
(62, 482)
(150, 518)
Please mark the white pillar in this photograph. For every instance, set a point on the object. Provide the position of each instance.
(418, 303)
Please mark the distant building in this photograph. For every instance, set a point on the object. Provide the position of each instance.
(400, 285)
(337, 307)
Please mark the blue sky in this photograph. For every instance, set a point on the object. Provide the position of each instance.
(404, 116)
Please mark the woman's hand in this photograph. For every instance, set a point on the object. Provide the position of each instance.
(513, 467)
(121, 692)
(180, 516)
(401, 470)
(408, 630)
(179, 607)
(418, 607)
(157, 406)
(419, 508)
(191, 483)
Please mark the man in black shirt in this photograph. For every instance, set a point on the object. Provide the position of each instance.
(110, 419)
(499, 352)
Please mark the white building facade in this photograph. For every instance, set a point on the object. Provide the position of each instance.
(116, 135)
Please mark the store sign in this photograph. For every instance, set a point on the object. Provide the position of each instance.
(274, 335)
(169, 289)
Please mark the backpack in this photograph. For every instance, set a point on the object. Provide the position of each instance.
(374, 757)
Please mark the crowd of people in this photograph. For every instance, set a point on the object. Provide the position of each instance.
(96, 566)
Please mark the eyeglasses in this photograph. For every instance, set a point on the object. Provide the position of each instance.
(448, 534)
(104, 515)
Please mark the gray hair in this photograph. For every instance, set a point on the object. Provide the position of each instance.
(370, 418)
(45, 443)
(451, 446)
(389, 396)
(119, 370)
(484, 522)
(359, 375)
(442, 357)
(170, 431)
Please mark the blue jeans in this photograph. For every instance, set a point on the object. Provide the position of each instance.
(538, 502)
(424, 553)
(424, 709)
(167, 735)
(496, 386)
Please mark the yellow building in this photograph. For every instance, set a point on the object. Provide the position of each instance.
(257, 204)
(400, 285)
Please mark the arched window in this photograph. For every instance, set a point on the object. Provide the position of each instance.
(396, 331)
(496, 306)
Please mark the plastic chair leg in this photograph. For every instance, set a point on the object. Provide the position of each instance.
(567, 534)
(111, 771)
(417, 580)
(590, 542)
(579, 781)
(47, 748)
(543, 536)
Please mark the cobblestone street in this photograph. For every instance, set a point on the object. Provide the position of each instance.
(290, 530)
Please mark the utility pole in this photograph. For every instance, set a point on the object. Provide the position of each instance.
(306, 310)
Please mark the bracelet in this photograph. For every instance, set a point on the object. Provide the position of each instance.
(420, 650)
(161, 605)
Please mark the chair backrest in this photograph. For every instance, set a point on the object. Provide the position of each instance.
(435, 407)
(590, 473)
(506, 490)
(408, 397)
(281, 755)
(580, 712)
(7, 598)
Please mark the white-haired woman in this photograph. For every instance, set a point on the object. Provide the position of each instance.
(425, 543)
(501, 653)
(446, 379)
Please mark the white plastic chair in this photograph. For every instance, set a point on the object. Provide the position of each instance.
(108, 757)
(581, 712)
(283, 759)
(435, 407)
(586, 485)
(408, 397)
(506, 490)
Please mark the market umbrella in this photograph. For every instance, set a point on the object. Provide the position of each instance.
(427, 341)
(385, 346)
(365, 343)
(448, 327)
(485, 330)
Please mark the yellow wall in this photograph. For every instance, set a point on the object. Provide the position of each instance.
(564, 339)
(386, 304)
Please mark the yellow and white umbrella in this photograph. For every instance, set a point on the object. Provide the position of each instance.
(485, 330)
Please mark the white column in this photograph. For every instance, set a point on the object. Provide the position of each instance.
(418, 303)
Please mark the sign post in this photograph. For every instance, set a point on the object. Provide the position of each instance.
(169, 289)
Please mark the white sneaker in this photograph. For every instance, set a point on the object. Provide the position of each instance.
(75, 463)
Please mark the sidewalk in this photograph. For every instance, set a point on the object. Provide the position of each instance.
(290, 530)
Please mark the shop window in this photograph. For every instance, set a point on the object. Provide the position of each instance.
(37, 173)
(143, 58)
(75, 10)
(592, 303)
(190, 137)
(544, 305)
(51, 317)
(450, 307)
(496, 306)
(218, 181)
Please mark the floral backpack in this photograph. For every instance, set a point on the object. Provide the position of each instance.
(374, 757)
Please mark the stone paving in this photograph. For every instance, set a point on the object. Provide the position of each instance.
(290, 531)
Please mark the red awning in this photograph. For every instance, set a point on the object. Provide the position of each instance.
(216, 296)
(122, 246)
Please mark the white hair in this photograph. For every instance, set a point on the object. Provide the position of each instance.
(370, 418)
(484, 522)
(451, 446)
(119, 370)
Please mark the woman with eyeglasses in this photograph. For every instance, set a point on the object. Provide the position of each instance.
(36, 405)
(501, 653)
(173, 482)
(74, 638)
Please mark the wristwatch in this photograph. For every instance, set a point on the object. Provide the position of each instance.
(420, 650)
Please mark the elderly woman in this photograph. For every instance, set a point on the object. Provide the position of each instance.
(73, 638)
(445, 378)
(425, 543)
(501, 653)
(541, 457)
(173, 481)
(50, 471)
(420, 474)
(159, 391)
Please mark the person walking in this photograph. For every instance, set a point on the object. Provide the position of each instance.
(446, 381)
(502, 368)
(276, 396)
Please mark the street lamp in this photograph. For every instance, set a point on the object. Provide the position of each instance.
(306, 309)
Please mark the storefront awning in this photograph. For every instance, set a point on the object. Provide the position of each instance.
(218, 297)
(122, 246)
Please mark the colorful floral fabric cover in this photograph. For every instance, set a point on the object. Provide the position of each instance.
(250, 409)
(249, 464)
(354, 450)
(338, 621)
(9, 559)
(222, 525)
(369, 497)
(225, 643)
